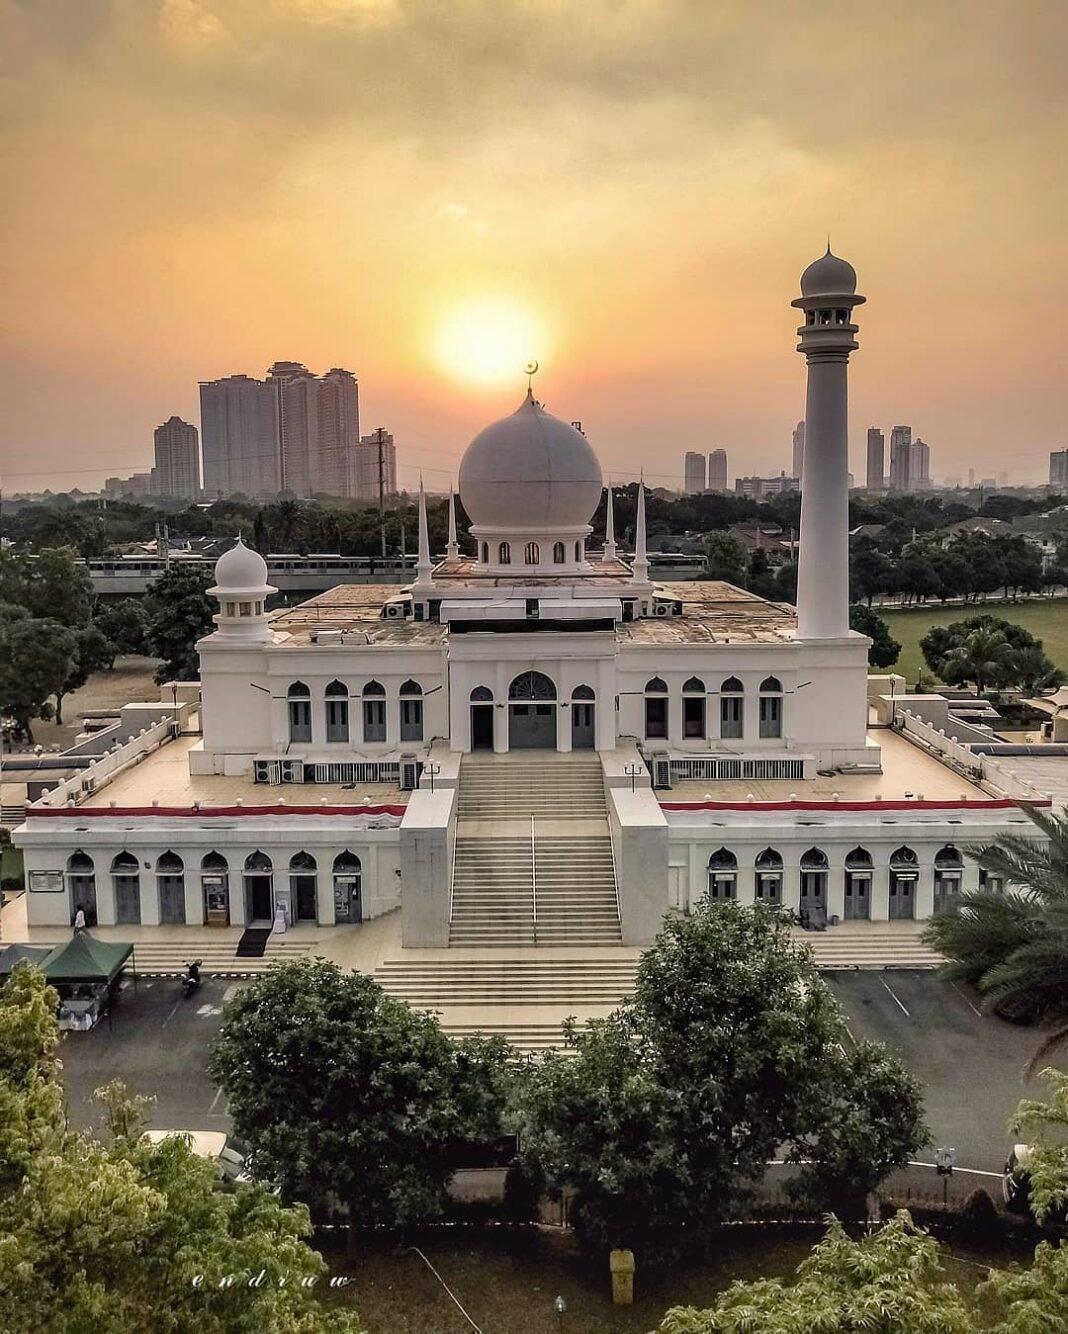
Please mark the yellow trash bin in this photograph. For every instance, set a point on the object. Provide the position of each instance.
(621, 1264)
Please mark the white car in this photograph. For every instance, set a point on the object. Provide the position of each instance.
(211, 1144)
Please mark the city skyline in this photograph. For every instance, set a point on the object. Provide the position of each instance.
(419, 224)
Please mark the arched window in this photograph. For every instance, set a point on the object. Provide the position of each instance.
(723, 860)
(732, 709)
(303, 887)
(81, 886)
(858, 860)
(504, 554)
(722, 875)
(485, 553)
(768, 883)
(337, 711)
(771, 707)
(411, 711)
(558, 553)
(126, 882)
(903, 858)
(302, 861)
(948, 875)
(482, 695)
(813, 882)
(532, 554)
(348, 888)
(170, 885)
(215, 887)
(258, 863)
(656, 708)
(904, 875)
(169, 863)
(298, 699)
(583, 692)
(374, 712)
(80, 863)
(857, 886)
(532, 686)
(214, 861)
(693, 708)
(949, 857)
(814, 859)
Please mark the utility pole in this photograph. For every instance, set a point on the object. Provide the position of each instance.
(380, 436)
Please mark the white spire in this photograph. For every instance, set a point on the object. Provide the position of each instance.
(423, 566)
(609, 528)
(452, 551)
(640, 566)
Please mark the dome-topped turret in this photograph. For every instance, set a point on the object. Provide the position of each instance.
(240, 570)
(530, 473)
(829, 276)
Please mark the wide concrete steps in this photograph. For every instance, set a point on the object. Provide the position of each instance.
(576, 890)
(492, 892)
(509, 981)
(527, 1039)
(505, 787)
(878, 947)
(169, 958)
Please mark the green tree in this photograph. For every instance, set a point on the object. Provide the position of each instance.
(890, 1281)
(725, 559)
(984, 657)
(870, 571)
(127, 1236)
(1013, 947)
(36, 658)
(1002, 654)
(731, 1052)
(124, 623)
(179, 614)
(58, 587)
(93, 652)
(884, 650)
(349, 1100)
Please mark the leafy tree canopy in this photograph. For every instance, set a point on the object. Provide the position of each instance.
(349, 1100)
(884, 649)
(50, 585)
(990, 652)
(179, 614)
(37, 657)
(124, 622)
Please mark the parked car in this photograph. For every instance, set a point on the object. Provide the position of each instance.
(213, 1144)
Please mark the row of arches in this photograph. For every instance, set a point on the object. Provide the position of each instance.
(731, 694)
(859, 869)
(531, 553)
(336, 697)
(257, 872)
(532, 704)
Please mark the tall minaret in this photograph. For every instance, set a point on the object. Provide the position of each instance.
(640, 564)
(452, 550)
(828, 295)
(423, 566)
(609, 528)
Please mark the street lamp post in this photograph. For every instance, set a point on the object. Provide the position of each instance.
(431, 769)
(632, 771)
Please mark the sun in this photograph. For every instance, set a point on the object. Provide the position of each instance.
(489, 342)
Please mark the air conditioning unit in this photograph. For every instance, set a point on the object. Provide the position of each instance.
(410, 769)
(292, 771)
(395, 611)
(267, 771)
(660, 764)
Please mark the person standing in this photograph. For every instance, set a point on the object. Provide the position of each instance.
(79, 919)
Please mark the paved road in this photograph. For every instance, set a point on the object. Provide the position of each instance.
(971, 1065)
(158, 1043)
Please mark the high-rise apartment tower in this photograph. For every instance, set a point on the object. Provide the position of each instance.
(876, 470)
(717, 470)
(177, 468)
(694, 473)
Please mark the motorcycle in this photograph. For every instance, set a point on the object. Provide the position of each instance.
(191, 978)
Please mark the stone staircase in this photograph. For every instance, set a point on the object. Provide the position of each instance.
(533, 860)
(169, 957)
(869, 945)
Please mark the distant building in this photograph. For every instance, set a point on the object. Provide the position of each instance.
(756, 487)
(177, 470)
(717, 470)
(920, 466)
(1058, 469)
(137, 484)
(876, 469)
(694, 473)
(367, 465)
(239, 436)
(901, 458)
(798, 459)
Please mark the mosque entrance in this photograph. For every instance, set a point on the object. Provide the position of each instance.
(532, 712)
(481, 718)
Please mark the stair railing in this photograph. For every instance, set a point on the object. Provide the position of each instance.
(615, 875)
(452, 876)
(533, 880)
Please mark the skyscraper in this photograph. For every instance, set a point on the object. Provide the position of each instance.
(798, 459)
(694, 470)
(717, 470)
(920, 466)
(239, 434)
(177, 469)
(1058, 469)
(298, 423)
(367, 455)
(901, 458)
(334, 469)
(876, 473)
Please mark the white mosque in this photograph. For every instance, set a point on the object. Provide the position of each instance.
(534, 743)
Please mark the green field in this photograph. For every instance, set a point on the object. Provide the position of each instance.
(1046, 620)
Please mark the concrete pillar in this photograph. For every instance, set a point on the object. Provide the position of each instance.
(836, 886)
(149, 888)
(791, 884)
(563, 726)
(880, 890)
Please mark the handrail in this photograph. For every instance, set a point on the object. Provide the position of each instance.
(615, 872)
(452, 872)
(533, 879)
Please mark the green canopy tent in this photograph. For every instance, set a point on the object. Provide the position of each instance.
(84, 960)
(10, 955)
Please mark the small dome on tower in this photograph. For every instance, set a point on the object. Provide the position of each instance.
(530, 472)
(240, 570)
(829, 276)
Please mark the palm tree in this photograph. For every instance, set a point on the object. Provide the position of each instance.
(1013, 947)
(985, 657)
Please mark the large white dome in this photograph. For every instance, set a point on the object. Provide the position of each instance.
(829, 275)
(240, 570)
(531, 473)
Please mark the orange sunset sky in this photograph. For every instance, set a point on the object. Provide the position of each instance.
(430, 193)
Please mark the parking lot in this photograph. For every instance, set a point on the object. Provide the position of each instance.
(158, 1043)
(971, 1065)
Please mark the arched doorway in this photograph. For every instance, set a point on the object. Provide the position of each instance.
(532, 712)
(904, 874)
(948, 872)
(858, 874)
(170, 881)
(127, 882)
(482, 718)
(582, 718)
(813, 880)
(723, 875)
(348, 888)
(259, 888)
(215, 883)
(768, 887)
(81, 886)
(303, 885)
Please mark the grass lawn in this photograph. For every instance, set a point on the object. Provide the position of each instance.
(508, 1281)
(1047, 621)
